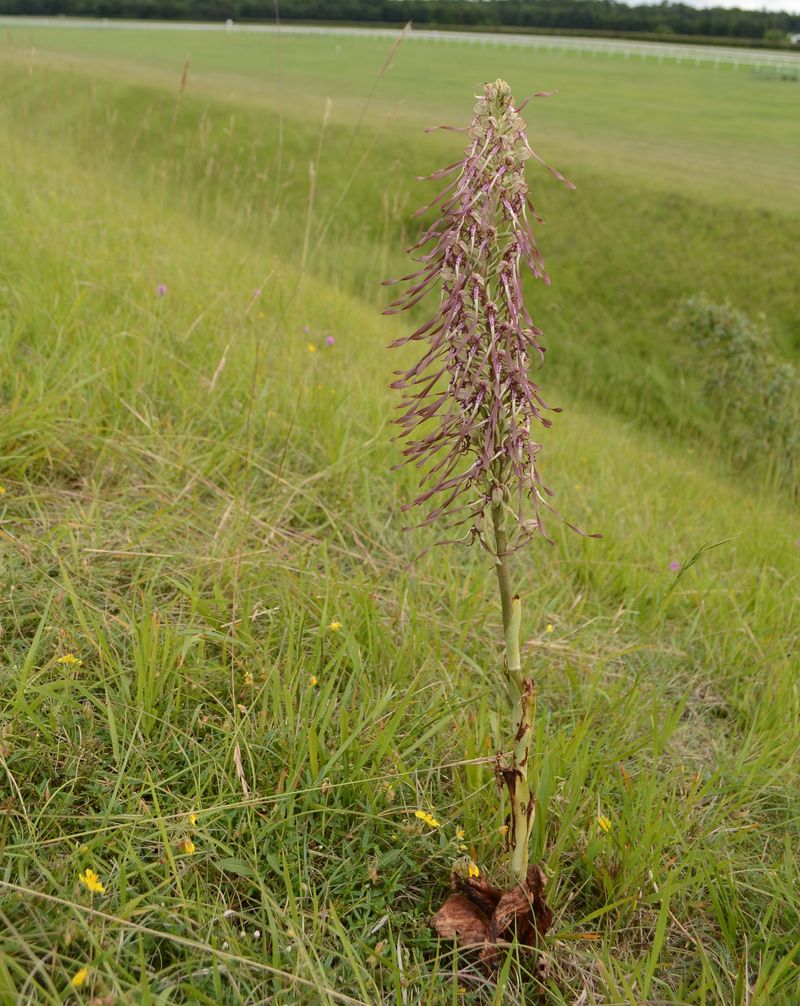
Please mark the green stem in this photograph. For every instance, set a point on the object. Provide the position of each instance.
(513, 657)
(501, 553)
(515, 775)
(523, 805)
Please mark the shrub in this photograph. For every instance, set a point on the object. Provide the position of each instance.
(755, 396)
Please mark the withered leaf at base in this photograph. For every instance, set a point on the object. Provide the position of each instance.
(479, 891)
(523, 910)
(460, 919)
(479, 914)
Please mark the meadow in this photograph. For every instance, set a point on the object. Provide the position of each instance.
(225, 688)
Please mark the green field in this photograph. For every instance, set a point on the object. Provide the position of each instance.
(197, 486)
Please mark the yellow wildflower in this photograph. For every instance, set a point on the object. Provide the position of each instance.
(193, 819)
(248, 678)
(549, 627)
(335, 626)
(91, 880)
(429, 819)
(313, 681)
(2, 491)
(603, 823)
(312, 348)
(188, 846)
(472, 869)
(503, 829)
(71, 659)
(79, 978)
(460, 834)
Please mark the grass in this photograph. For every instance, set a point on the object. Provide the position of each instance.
(193, 496)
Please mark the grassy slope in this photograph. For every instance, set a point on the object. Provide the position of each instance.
(186, 541)
(687, 179)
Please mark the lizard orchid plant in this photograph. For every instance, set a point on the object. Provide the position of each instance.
(467, 420)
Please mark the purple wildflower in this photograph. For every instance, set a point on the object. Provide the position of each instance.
(675, 566)
(470, 405)
(330, 341)
(161, 289)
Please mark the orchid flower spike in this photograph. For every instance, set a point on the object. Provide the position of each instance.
(470, 406)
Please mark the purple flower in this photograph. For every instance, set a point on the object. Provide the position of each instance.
(161, 290)
(329, 340)
(674, 565)
(470, 405)
(256, 293)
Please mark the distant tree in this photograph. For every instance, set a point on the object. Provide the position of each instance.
(575, 15)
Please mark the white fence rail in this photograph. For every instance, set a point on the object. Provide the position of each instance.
(777, 60)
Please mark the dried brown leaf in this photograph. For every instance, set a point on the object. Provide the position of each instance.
(460, 919)
(523, 911)
(483, 917)
(479, 891)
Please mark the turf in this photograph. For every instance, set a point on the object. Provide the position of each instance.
(197, 487)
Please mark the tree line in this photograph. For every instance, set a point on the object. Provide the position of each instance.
(604, 16)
